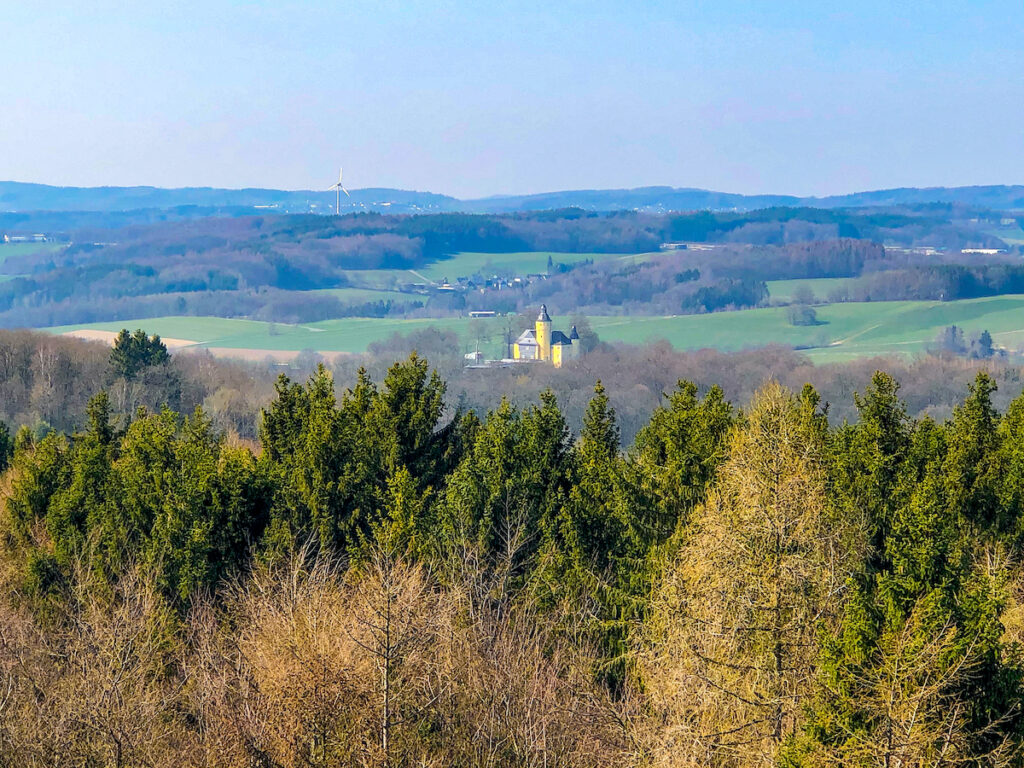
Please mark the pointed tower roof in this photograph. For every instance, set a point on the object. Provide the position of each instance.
(574, 334)
(543, 316)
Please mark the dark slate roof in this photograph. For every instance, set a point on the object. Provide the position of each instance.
(557, 337)
(574, 334)
(543, 316)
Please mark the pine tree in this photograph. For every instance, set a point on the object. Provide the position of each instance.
(594, 559)
(86, 494)
(867, 458)
(971, 469)
(1011, 471)
(405, 416)
(590, 524)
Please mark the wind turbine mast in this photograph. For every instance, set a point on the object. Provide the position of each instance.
(338, 189)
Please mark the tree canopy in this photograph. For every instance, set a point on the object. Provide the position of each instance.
(384, 580)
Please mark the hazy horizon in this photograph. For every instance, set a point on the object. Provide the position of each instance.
(453, 98)
(499, 195)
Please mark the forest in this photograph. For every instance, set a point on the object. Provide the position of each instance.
(46, 381)
(382, 577)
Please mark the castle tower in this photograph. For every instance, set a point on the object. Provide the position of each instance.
(574, 337)
(543, 331)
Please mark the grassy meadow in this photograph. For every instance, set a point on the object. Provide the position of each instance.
(9, 250)
(846, 331)
(780, 291)
(367, 295)
(466, 264)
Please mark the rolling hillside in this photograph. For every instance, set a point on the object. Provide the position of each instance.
(846, 331)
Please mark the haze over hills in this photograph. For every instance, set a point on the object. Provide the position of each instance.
(22, 197)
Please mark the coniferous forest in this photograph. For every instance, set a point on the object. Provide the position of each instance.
(382, 580)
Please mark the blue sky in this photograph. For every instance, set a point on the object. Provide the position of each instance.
(479, 98)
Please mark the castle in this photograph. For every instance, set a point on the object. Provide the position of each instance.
(544, 345)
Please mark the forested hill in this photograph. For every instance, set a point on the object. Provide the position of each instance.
(22, 197)
(656, 199)
(17, 196)
(225, 266)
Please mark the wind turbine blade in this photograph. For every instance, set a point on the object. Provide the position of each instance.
(346, 192)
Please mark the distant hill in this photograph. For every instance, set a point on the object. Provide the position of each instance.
(18, 197)
(660, 199)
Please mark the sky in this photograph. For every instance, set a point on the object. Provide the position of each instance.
(482, 97)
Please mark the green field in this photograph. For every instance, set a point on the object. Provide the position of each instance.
(379, 279)
(466, 264)
(350, 334)
(782, 290)
(846, 331)
(366, 295)
(1012, 235)
(7, 250)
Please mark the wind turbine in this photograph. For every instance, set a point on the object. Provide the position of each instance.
(338, 189)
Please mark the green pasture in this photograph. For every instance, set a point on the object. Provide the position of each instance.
(782, 290)
(846, 331)
(9, 250)
(467, 264)
(1012, 235)
(378, 279)
(366, 295)
(350, 334)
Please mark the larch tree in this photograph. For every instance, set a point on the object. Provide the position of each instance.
(728, 656)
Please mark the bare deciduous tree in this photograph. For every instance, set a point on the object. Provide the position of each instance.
(95, 687)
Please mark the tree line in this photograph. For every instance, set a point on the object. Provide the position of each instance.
(381, 580)
(46, 381)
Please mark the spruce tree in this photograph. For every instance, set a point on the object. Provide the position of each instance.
(6, 446)
(917, 672)
(675, 456)
(507, 488)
